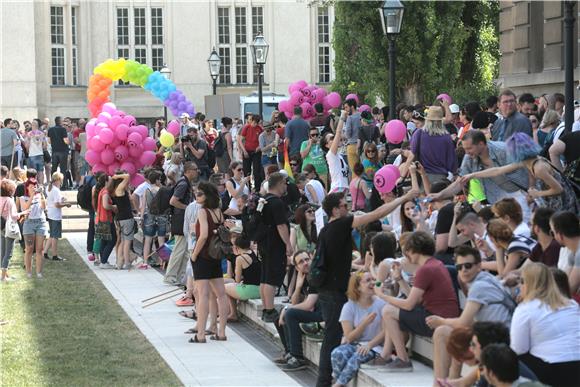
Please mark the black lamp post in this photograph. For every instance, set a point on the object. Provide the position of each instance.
(391, 20)
(166, 72)
(569, 21)
(215, 63)
(260, 52)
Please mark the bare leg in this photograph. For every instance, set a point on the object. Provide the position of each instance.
(441, 359)
(147, 248)
(202, 307)
(213, 311)
(391, 322)
(222, 300)
(233, 297)
(267, 292)
(29, 243)
(127, 252)
(39, 242)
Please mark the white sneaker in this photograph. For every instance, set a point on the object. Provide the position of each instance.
(107, 266)
(39, 275)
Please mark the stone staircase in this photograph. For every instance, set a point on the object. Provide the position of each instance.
(74, 219)
(422, 348)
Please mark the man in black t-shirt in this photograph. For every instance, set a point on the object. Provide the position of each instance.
(335, 244)
(59, 143)
(274, 249)
(445, 215)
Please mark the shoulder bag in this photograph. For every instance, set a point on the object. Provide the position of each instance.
(11, 229)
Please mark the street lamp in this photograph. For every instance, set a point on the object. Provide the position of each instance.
(166, 72)
(260, 53)
(569, 21)
(391, 20)
(215, 63)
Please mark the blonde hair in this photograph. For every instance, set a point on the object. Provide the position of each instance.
(435, 128)
(551, 117)
(541, 285)
(57, 176)
(18, 174)
(353, 292)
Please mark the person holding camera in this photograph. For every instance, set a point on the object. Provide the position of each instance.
(35, 226)
(195, 149)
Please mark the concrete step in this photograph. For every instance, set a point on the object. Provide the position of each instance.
(422, 375)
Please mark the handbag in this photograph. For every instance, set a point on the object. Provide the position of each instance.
(11, 229)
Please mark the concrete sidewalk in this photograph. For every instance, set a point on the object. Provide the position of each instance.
(231, 363)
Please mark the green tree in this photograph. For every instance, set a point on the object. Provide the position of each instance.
(444, 46)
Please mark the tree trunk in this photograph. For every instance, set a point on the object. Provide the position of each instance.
(412, 94)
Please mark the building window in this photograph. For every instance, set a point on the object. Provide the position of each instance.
(225, 75)
(74, 50)
(257, 21)
(141, 55)
(224, 25)
(156, 25)
(241, 34)
(123, 26)
(241, 65)
(140, 30)
(58, 46)
(157, 59)
(122, 53)
(323, 45)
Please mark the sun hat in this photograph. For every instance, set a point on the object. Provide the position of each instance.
(184, 115)
(454, 108)
(434, 113)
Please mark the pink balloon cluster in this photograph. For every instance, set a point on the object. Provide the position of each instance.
(115, 141)
(306, 96)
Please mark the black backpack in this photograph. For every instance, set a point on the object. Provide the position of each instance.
(159, 204)
(318, 271)
(84, 194)
(219, 146)
(256, 229)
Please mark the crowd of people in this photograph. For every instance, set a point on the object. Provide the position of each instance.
(477, 247)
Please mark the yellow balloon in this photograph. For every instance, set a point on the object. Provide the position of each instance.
(166, 139)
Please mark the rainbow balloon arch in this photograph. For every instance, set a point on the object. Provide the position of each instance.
(114, 140)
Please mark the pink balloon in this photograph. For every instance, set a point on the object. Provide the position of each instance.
(293, 87)
(92, 157)
(173, 127)
(301, 83)
(135, 151)
(113, 167)
(395, 131)
(352, 96)
(147, 158)
(137, 180)
(364, 108)
(114, 122)
(319, 95)
(385, 180)
(312, 99)
(143, 131)
(134, 139)
(90, 130)
(295, 98)
(283, 105)
(129, 167)
(333, 99)
(445, 97)
(149, 144)
(116, 142)
(107, 156)
(121, 153)
(100, 126)
(129, 120)
(99, 168)
(306, 91)
(96, 144)
(394, 169)
(104, 117)
(306, 109)
(106, 136)
(121, 132)
(110, 108)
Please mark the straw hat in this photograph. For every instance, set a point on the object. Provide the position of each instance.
(434, 113)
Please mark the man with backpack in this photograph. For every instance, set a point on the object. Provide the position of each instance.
(181, 196)
(85, 202)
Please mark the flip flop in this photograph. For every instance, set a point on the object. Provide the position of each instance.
(194, 339)
(188, 314)
(194, 331)
(218, 338)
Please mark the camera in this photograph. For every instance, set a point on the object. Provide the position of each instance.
(185, 139)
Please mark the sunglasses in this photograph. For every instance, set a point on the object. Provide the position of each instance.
(467, 266)
(239, 169)
(314, 135)
(293, 164)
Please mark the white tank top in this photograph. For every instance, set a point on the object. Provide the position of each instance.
(233, 203)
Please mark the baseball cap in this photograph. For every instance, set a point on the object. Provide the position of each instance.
(454, 108)
(184, 115)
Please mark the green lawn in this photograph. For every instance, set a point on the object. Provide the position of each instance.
(67, 330)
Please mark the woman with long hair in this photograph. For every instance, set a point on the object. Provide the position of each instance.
(105, 230)
(359, 191)
(371, 163)
(206, 270)
(237, 185)
(412, 219)
(551, 188)
(7, 210)
(118, 188)
(549, 123)
(303, 233)
(153, 225)
(511, 249)
(224, 146)
(544, 329)
(35, 226)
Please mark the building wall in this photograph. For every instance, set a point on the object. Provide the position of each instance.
(190, 31)
(532, 46)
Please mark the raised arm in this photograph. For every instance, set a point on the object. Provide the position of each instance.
(556, 151)
(338, 135)
(384, 210)
(493, 172)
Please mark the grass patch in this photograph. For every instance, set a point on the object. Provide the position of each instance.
(67, 330)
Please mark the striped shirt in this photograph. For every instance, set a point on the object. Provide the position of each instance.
(520, 243)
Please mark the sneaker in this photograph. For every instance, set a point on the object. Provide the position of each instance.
(270, 316)
(46, 256)
(311, 328)
(375, 363)
(55, 258)
(184, 301)
(293, 364)
(171, 282)
(398, 365)
(97, 262)
(91, 257)
(39, 275)
(282, 359)
(28, 275)
(107, 266)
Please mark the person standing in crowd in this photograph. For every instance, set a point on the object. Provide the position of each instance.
(319, 120)
(352, 125)
(296, 132)
(119, 191)
(268, 146)
(185, 124)
(526, 104)
(59, 143)
(207, 270)
(154, 225)
(335, 244)
(195, 149)
(78, 161)
(35, 227)
(337, 167)
(513, 121)
(359, 191)
(248, 143)
(567, 147)
(182, 196)
(55, 204)
(275, 247)
(434, 148)
(36, 144)
(223, 147)
(237, 185)
(7, 210)
(369, 132)
(105, 230)
(311, 153)
(8, 141)
(281, 131)
(549, 123)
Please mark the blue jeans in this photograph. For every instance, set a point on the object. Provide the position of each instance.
(91, 232)
(331, 305)
(292, 319)
(346, 362)
(108, 246)
(6, 247)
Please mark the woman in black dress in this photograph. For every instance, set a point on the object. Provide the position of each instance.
(207, 271)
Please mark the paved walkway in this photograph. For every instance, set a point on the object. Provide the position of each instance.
(231, 363)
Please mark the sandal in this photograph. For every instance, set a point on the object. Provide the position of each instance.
(194, 339)
(443, 382)
(188, 314)
(193, 331)
(218, 338)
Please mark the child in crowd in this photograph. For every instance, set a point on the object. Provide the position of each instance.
(55, 203)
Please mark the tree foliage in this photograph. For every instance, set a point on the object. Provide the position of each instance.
(444, 46)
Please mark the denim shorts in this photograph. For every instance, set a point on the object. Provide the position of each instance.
(36, 162)
(35, 227)
(55, 228)
(154, 225)
(269, 161)
(127, 228)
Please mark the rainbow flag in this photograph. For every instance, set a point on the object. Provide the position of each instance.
(287, 166)
(164, 252)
